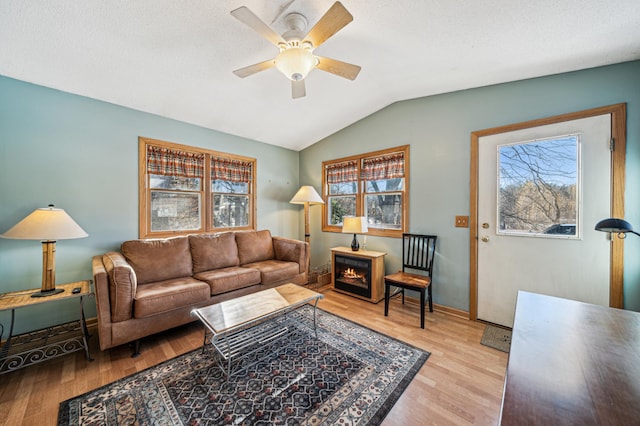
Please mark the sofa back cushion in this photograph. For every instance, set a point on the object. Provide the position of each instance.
(213, 251)
(254, 246)
(158, 260)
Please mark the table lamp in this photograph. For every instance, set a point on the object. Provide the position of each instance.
(619, 226)
(306, 195)
(355, 225)
(47, 224)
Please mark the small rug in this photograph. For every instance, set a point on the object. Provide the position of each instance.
(497, 338)
(349, 374)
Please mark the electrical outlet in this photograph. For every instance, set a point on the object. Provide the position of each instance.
(462, 221)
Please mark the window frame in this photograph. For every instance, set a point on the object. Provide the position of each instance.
(206, 193)
(361, 192)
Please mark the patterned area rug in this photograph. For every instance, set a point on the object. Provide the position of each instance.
(497, 338)
(348, 375)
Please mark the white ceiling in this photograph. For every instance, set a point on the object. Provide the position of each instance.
(174, 58)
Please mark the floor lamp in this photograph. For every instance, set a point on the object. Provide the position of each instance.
(48, 225)
(306, 195)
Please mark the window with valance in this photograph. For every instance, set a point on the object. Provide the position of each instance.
(373, 185)
(230, 187)
(176, 198)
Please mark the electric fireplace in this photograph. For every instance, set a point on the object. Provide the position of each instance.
(358, 273)
(353, 275)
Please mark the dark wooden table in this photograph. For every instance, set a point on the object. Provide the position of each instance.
(572, 363)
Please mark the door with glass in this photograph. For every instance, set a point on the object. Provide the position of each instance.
(540, 192)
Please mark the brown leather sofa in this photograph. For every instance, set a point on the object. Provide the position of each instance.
(152, 285)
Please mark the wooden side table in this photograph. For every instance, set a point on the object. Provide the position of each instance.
(358, 273)
(37, 346)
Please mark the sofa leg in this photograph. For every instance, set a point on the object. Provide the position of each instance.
(136, 349)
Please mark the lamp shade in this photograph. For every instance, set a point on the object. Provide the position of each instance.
(46, 224)
(619, 226)
(614, 225)
(306, 194)
(354, 225)
(295, 63)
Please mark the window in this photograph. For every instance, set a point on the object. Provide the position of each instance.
(373, 185)
(185, 190)
(539, 187)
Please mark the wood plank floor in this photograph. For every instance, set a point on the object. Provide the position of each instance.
(460, 384)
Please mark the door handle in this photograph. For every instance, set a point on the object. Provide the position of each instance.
(485, 239)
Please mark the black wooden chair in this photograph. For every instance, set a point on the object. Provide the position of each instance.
(418, 252)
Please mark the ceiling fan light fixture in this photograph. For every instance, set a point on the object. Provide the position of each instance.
(295, 62)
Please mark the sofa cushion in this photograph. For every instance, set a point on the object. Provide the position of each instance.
(164, 296)
(159, 260)
(123, 285)
(274, 270)
(213, 251)
(254, 246)
(228, 279)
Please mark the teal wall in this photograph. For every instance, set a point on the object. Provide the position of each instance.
(438, 129)
(82, 155)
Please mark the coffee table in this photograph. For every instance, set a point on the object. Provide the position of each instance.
(241, 326)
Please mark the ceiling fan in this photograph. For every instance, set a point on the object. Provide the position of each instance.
(296, 58)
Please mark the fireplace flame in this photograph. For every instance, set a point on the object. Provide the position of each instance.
(352, 274)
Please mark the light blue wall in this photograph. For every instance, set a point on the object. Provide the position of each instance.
(438, 129)
(82, 155)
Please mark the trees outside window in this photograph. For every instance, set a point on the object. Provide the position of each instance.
(185, 190)
(538, 187)
(373, 185)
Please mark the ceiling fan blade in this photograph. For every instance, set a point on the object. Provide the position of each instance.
(255, 68)
(298, 89)
(331, 22)
(342, 69)
(244, 15)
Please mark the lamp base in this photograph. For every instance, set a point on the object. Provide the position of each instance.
(355, 246)
(47, 293)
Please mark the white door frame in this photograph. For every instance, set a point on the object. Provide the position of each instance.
(618, 134)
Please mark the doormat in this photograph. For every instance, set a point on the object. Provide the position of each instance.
(348, 375)
(497, 338)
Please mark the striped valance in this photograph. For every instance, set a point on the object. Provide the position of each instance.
(171, 162)
(231, 170)
(346, 171)
(389, 166)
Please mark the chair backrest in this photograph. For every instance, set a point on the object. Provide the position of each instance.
(418, 252)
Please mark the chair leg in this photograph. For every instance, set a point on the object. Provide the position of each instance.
(387, 290)
(430, 300)
(422, 308)
(403, 295)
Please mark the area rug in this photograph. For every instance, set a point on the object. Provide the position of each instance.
(497, 338)
(348, 375)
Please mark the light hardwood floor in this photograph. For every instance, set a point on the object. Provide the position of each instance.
(460, 384)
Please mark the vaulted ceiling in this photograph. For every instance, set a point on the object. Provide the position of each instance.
(175, 58)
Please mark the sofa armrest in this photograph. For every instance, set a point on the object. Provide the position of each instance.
(101, 288)
(122, 285)
(290, 250)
